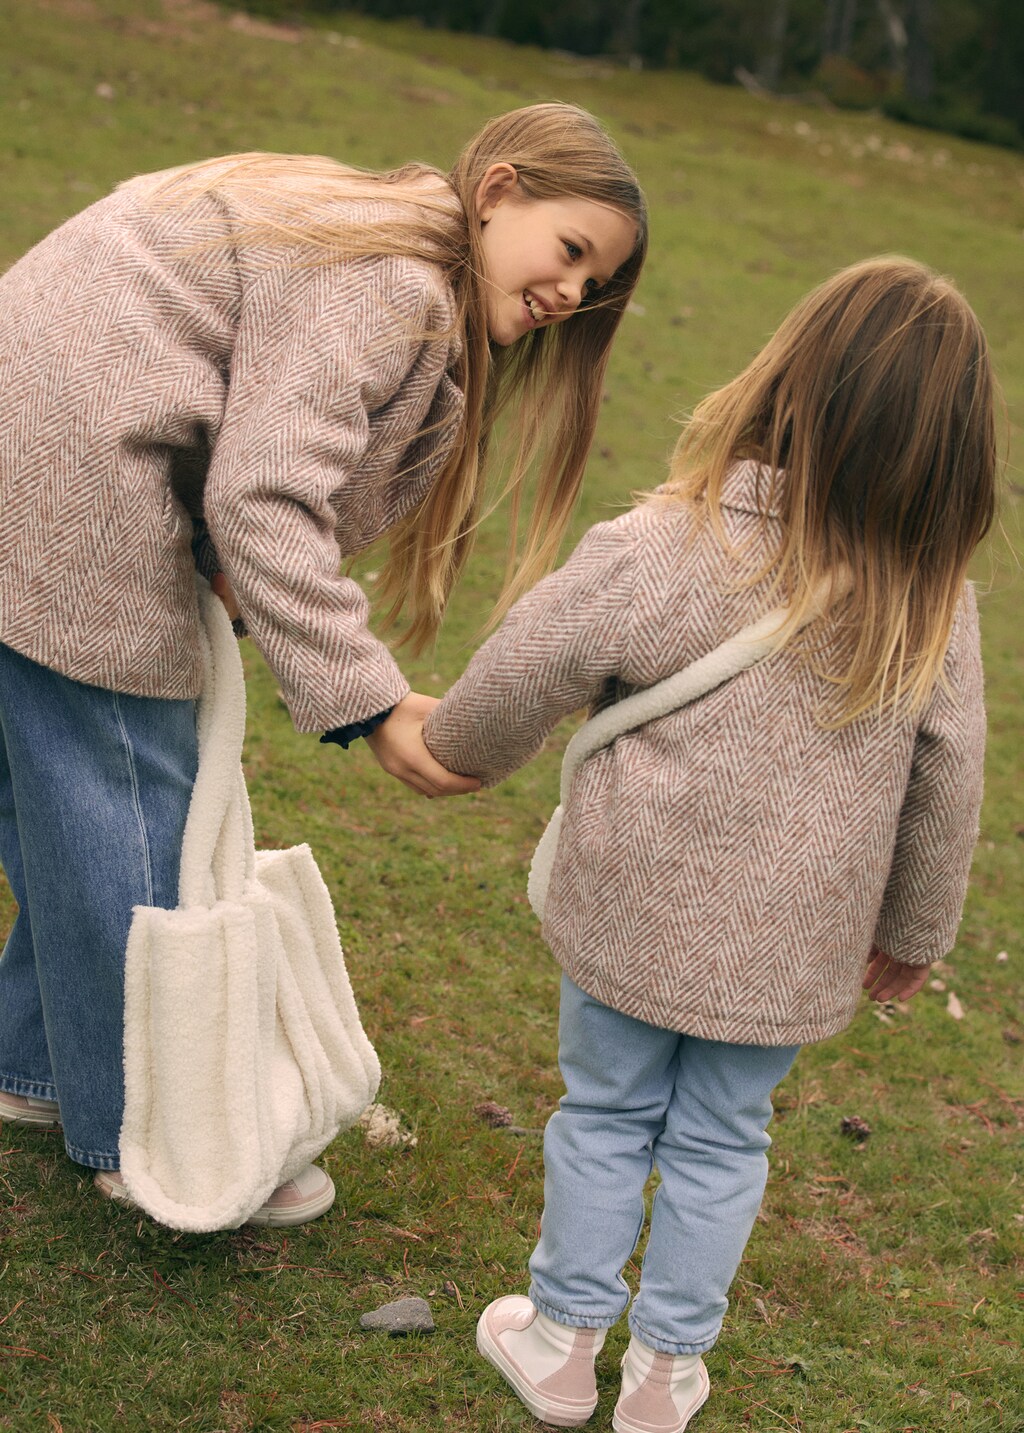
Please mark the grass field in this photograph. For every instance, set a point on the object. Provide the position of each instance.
(881, 1291)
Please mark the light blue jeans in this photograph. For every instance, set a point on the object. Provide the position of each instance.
(94, 790)
(638, 1096)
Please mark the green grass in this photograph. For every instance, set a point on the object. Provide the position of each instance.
(881, 1287)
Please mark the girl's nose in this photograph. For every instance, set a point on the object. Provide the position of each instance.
(570, 293)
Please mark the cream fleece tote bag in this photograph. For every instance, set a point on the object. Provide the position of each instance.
(754, 642)
(244, 1054)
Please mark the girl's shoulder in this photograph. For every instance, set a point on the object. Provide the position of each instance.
(654, 542)
(661, 528)
(656, 516)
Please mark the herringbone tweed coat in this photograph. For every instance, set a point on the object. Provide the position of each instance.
(151, 375)
(724, 870)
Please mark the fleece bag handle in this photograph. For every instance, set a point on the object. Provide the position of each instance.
(745, 649)
(218, 854)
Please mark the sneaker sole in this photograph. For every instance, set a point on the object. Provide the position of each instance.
(621, 1424)
(565, 1413)
(32, 1119)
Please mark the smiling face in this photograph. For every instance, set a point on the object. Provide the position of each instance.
(543, 256)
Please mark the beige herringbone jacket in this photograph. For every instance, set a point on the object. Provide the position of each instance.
(724, 870)
(151, 374)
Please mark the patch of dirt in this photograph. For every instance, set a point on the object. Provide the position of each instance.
(180, 21)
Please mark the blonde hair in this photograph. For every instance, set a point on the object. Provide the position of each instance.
(872, 414)
(551, 379)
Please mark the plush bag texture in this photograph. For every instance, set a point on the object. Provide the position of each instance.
(244, 1052)
(748, 646)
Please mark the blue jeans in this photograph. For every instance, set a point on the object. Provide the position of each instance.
(94, 791)
(638, 1096)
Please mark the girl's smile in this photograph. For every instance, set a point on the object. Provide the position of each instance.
(543, 257)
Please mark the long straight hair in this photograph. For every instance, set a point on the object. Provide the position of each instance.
(872, 414)
(551, 379)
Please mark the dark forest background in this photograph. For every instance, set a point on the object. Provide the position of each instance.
(955, 65)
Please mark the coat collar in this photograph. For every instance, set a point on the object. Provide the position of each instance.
(746, 489)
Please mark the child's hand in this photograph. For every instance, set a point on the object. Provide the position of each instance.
(399, 748)
(222, 589)
(888, 979)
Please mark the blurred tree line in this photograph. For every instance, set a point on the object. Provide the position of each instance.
(950, 64)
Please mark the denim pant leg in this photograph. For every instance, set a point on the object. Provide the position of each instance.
(713, 1165)
(21, 1006)
(94, 791)
(619, 1077)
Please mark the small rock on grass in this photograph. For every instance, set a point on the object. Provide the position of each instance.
(401, 1317)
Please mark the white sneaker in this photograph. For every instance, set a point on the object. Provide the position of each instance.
(660, 1391)
(550, 1366)
(27, 1110)
(306, 1197)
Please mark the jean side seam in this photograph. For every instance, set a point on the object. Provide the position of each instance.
(136, 798)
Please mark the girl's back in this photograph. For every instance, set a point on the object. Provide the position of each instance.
(723, 870)
(129, 325)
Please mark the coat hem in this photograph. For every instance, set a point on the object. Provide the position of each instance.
(703, 1026)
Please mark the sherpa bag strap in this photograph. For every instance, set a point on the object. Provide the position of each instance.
(745, 649)
(748, 647)
(218, 851)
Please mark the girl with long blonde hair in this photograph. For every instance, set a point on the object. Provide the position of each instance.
(259, 365)
(730, 875)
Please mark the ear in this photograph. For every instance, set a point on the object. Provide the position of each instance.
(500, 182)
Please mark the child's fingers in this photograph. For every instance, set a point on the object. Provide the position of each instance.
(887, 979)
(878, 964)
(457, 785)
(222, 589)
(451, 786)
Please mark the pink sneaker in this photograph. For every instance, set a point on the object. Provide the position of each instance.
(27, 1110)
(660, 1391)
(550, 1366)
(306, 1197)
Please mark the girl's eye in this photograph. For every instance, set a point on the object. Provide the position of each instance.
(573, 250)
(592, 287)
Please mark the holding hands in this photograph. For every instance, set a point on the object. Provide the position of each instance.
(397, 744)
(398, 747)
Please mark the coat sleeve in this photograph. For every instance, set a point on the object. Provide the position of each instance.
(551, 656)
(319, 351)
(938, 826)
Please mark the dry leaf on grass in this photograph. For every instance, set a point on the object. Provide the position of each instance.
(954, 1008)
(493, 1114)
